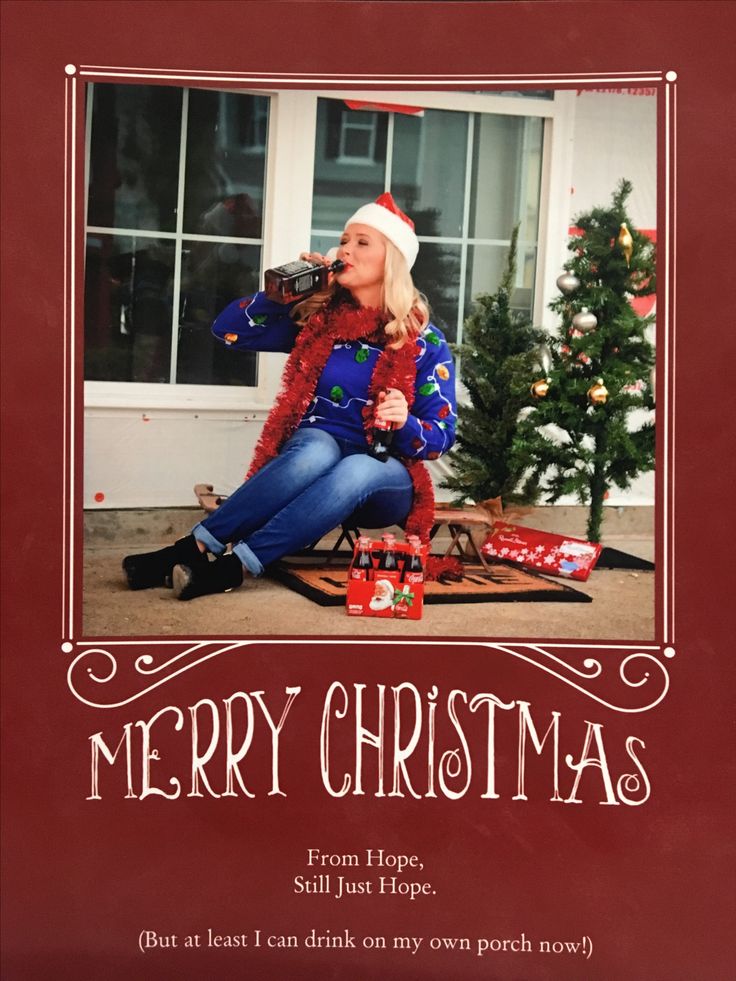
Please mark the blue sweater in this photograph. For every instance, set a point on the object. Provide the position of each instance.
(258, 324)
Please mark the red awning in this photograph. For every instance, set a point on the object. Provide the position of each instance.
(384, 107)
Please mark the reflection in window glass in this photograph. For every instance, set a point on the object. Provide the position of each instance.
(428, 170)
(134, 157)
(486, 266)
(226, 157)
(212, 275)
(136, 133)
(358, 137)
(349, 161)
(507, 167)
(127, 308)
(323, 243)
(436, 273)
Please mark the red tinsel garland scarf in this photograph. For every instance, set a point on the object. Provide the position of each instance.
(395, 368)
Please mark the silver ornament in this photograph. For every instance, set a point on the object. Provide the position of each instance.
(543, 358)
(567, 283)
(585, 320)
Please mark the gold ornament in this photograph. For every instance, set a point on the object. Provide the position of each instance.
(598, 393)
(540, 388)
(626, 242)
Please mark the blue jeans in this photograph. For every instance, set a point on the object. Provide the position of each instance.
(311, 487)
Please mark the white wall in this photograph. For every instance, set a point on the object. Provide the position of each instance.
(615, 137)
(123, 448)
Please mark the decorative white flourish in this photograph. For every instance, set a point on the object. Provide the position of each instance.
(595, 669)
(639, 672)
(145, 665)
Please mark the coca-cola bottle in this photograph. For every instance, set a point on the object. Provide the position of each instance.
(296, 280)
(413, 571)
(388, 564)
(382, 434)
(362, 566)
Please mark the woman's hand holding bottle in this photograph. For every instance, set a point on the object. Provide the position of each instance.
(392, 407)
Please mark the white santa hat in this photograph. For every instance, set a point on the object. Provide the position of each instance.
(385, 216)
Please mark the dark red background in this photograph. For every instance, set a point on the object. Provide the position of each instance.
(651, 886)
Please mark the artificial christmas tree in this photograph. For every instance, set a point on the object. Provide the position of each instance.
(581, 438)
(498, 353)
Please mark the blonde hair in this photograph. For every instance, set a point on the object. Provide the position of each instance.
(406, 307)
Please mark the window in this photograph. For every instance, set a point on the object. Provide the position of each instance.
(465, 178)
(174, 230)
(357, 137)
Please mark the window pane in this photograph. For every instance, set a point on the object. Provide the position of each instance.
(127, 308)
(428, 170)
(226, 156)
(323, 243)
(357, 143)
(436, 273)
(486, 266)
(507, 166)
(134, 157)
(212, 275)
(341, 187)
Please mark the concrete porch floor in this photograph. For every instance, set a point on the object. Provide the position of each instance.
(622, 607)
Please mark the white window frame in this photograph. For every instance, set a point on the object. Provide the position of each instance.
(288, 213)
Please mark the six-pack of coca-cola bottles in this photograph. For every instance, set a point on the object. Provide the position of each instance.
(388, 559)
(386, 578)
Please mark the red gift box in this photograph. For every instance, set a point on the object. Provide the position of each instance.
(377, 592)
(557, 555)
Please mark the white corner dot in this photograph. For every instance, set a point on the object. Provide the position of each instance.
(70, 70)
(671, 76)
(669, 652)
(66, 647)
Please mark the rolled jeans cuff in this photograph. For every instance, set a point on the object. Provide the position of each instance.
(249, 558)
(208, 540)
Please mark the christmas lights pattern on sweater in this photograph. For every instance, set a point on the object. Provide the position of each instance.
(341, 397)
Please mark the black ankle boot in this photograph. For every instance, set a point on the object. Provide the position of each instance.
(225, 573)
(149, 569)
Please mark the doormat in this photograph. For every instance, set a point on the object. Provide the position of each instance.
(326, 584)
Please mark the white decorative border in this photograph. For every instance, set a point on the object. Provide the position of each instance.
(641, 670)
(96, 678)
(70, 380)
(94, 72)
(670, 375)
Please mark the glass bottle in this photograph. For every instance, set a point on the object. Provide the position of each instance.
(382, 434)
(295, 280)
(387, 561)
(413, 569)
(362, 567)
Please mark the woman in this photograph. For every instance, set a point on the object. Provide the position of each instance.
(361, 351)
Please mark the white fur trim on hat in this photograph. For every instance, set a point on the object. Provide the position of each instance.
(396, 229)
